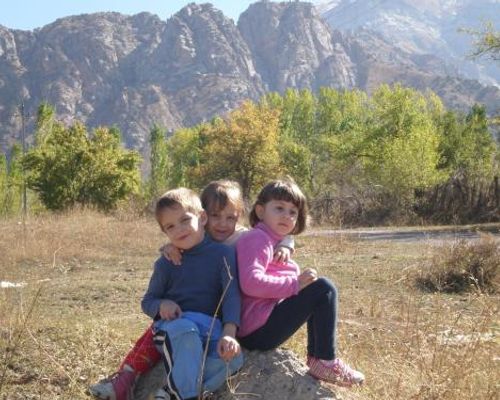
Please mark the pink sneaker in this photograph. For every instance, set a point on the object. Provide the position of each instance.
(119, 386)
(334, 371)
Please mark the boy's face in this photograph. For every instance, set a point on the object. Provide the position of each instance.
(222, 223)
(184, 229)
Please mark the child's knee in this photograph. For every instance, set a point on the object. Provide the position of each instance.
(179, 326)
(325, 285)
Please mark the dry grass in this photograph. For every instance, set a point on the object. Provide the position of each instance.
(463, 266)
(79, 312)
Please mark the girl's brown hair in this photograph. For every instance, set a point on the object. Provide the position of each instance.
(286, 190)
(217, 195)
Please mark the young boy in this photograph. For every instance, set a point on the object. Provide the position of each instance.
(183, 300)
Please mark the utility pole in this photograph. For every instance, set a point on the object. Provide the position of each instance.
(25, 202)
(23, 138)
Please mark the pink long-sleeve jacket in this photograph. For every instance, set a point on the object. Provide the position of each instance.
(263, 282)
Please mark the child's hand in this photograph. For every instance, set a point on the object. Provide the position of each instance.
(169, 310)
(172, 253)
(228, 347)
(307, 277)
(282, 255)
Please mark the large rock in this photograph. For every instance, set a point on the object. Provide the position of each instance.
(273, 375)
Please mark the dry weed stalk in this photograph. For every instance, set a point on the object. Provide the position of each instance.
(210, 330)
(15, 337)
(446, 368)
(233, 388)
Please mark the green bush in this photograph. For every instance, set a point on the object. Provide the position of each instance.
(68, 167)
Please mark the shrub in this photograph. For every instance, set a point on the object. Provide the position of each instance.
(463, 266)
(68, 167)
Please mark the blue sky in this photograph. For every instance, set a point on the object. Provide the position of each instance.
(31, 14)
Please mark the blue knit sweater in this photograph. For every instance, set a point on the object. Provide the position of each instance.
(198, 283)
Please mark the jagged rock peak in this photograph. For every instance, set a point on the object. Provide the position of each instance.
(204, 8)
(199, 39)
(292, 47)
(281, 6)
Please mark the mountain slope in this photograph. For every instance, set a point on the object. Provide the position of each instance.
(133, 71)
(423, 27)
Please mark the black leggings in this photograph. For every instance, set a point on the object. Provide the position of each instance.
(316, 304)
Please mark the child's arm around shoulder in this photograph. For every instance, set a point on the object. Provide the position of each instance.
(255, 253)
(172, 253)
(284, 250)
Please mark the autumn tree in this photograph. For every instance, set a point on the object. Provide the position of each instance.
(342, 121)
(242, 147)
(467, 146)
(184, 156)
(295, 129)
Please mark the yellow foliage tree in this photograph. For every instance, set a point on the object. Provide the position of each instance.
(243, 147)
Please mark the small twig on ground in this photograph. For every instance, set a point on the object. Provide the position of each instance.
(233, 388)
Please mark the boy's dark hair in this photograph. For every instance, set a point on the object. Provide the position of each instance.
(286, 190)
(217, 194)
(180, 197)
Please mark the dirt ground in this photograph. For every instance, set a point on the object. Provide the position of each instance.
(81, 276)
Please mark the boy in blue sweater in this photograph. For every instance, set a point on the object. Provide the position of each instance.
(183, 301)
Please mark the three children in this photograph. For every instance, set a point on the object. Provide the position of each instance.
(187, 284)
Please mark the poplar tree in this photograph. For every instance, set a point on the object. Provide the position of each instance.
(14, 180)
(3, 183)
(159, 162)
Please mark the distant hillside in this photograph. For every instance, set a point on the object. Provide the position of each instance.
(423, 28)
(108, 68)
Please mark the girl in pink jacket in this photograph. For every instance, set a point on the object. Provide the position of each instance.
(277, 299)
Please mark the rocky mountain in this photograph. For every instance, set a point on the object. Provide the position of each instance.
(133, 71)
(434, 28)
(108, 68)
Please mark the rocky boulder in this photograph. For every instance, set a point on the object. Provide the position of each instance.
(273, 375)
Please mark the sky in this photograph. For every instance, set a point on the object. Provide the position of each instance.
(31, 14)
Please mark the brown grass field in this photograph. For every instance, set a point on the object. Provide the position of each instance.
(85, 273)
